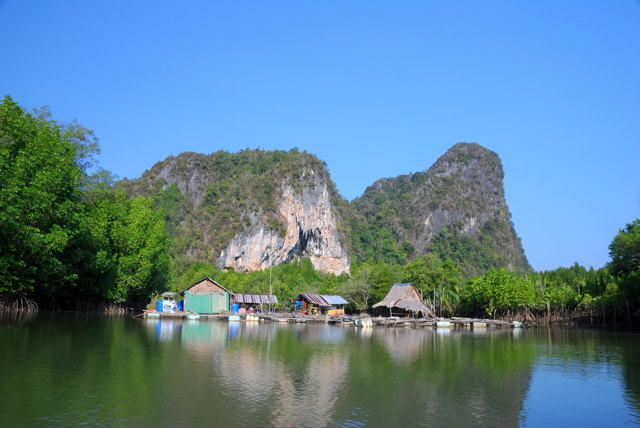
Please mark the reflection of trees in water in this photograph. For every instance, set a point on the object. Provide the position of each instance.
(585, 353)
(65, 366)
(17, 317)
(263, 375)
(272, 372)
(631, 370)
(439, 377)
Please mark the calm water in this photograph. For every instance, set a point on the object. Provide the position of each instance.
(78, 369)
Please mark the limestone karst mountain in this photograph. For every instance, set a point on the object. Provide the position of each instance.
(255, 209)
(455, 209)
(250, 210)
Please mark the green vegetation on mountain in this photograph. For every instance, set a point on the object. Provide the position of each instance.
(456, 209)
(209, 199)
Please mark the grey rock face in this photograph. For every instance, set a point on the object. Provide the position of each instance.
(311, 231)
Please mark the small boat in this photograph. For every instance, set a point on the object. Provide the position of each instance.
(234, 317)
(363, 322)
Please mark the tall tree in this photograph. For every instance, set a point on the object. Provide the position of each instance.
(64, 234)
(39, 202)
(625, 249)
(499, 289)
(129, 257)
(359, 288)
(625, 262)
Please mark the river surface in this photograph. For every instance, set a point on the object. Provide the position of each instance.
(94, 370)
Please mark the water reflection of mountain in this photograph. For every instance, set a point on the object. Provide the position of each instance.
(402, 345)
(328, 375)
(271, 369)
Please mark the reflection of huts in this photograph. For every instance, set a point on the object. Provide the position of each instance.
(321, 304)
(206, 297)
(402, 300)
(254, 301)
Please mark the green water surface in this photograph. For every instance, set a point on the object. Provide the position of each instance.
(94, 370)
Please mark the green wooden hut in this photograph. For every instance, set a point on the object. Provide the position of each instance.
(206, 297)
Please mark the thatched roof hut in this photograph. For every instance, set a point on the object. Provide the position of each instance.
(403, 299)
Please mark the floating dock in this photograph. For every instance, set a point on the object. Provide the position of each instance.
(346, 320)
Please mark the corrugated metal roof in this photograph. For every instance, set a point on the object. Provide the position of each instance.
(256, 298)
(316, 299)
(335, 300)
(323, 300)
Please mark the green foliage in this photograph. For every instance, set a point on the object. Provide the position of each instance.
(630, 289)
(130, 247)
(565, 287)
(499, 289)
(369, 283)
(438, 281)
(39, 201)
(625, 263)
(625, 250)
(64, 234)
(376, 242)
(562, 296)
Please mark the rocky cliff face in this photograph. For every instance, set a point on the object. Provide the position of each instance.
(456, 209)
(250, 210)
(310, 231)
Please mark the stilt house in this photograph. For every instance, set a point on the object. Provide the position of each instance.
(402, 300)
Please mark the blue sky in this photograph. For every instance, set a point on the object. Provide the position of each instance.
(375, 89)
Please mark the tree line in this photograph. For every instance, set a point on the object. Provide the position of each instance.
(70, 237)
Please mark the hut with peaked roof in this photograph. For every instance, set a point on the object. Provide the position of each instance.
(321, 304)
(402, 300)
(206, 297)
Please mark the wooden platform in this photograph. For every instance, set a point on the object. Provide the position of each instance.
(346, 320)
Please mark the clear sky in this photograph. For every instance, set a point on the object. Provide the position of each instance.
(376, 89)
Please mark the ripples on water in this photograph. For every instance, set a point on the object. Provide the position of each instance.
(97, 371)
